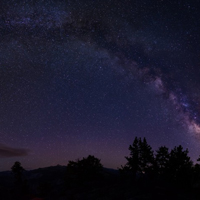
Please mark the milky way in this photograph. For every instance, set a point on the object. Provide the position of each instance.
(85, 74)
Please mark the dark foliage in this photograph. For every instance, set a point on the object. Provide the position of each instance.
(17, 169)
(162, 159)
(86, 169)
(141, 157)
(180, 166)
(173, 168)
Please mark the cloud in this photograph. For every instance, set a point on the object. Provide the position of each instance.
(7, 152)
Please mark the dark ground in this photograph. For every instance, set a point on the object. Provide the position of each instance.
(53, 183)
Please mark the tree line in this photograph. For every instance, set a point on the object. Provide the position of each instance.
(163, 166)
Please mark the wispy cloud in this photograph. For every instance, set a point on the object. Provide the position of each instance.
(6, 151)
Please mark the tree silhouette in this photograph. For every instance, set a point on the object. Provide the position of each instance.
(162, 160)
(87, 168)
(180, 166)
(146, 156)
(196, 173)
(141, 157)
(17, 170)
(198, 158)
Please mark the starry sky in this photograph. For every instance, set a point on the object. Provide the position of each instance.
(80, 77)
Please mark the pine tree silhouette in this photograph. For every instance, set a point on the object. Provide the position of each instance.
(17, 169)
(141, 157)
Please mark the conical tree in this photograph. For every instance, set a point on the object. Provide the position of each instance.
(162, 160)
(146, 156)
(141, 157)
(180, 165)
(196, 173)
(17, 170)
(133, 161)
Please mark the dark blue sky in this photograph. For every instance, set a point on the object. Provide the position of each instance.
(87, 77)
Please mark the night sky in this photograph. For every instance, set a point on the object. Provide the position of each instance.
(80, 77)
